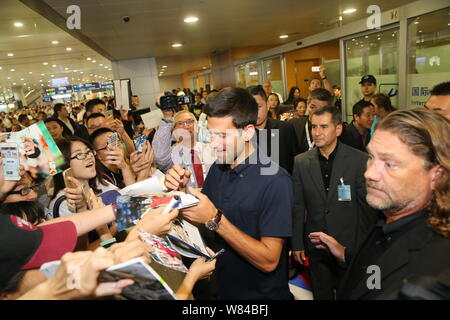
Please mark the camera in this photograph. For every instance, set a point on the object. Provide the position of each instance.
(126, 19)
(169, 101)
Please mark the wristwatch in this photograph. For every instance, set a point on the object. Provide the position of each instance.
(213, 224)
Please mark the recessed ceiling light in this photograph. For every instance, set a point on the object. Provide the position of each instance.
(54, 65)
(52, 75)
(88, 59)
(416, 22)
(24, 36)
(42, 74)
(10, 54)
(94, 61)
(191, 19)
(9, 78)
(45, 63)
(347, 11)
(14, 83)
(420, 31)
(106, 67)
(30, 72)
(69, 49)
(21, 79)
(284, 36)
(66, 68)
(164, 67)
(176, 45)
(366, 37)
(101, 64)
(75, 70)
(1, 68)
(12, 70)
(55, 42)
(40, 80)
(81, 72)
(18, 24)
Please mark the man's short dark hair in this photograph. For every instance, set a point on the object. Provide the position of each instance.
(235, 102)
(320, 94)
(92, 103)
(258, 91)
(94, 116)
(441, 89)
(358, 108)
(335, 114)
(98, 133)
(57, 109)
(22, 117)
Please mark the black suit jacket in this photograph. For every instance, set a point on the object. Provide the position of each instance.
(281, 143)
(300, 133)
(315, 210)
(351, 137)
(421, 251)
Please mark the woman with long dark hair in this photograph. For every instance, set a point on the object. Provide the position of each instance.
(294, 94)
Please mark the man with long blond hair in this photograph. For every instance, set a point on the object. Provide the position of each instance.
(407, 177)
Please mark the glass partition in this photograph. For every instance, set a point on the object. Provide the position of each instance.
(375, 54)
(428, 55)
(272, 71)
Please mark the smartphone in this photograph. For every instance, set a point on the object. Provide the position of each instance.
(113, 140)
(139, 143)
(315, 69)
(109, 113)
(11, 161)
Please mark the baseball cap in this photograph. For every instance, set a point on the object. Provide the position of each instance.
(24, 246)
(368, 78)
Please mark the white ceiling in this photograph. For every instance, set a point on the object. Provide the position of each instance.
(32, 46)
(223, 24)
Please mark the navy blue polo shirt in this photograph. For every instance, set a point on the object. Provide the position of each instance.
(260, 206)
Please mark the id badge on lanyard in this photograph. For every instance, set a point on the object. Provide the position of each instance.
(344, 192)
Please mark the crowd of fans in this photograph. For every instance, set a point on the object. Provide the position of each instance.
(190, 147)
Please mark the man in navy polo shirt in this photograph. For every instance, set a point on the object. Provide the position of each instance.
(246, 200)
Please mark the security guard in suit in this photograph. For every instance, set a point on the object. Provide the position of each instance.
(329, 193)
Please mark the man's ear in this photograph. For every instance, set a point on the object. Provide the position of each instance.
(339, 129)
(437, 172)
(248, 132)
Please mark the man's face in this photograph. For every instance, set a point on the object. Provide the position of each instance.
(55, 130)
(198, 99)
(99, 108)
(315, 84)
(94, 124)
(135, 101)
(314, 105)
(226, 140)
(263, 109)
(440, 105)
(25, 182)
(184, 126)
(368, 89)
(365, 120)
(324, 131)
(205, 95)
(396, 178)
(267, 86)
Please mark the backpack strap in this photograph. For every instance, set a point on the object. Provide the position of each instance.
(57, 205)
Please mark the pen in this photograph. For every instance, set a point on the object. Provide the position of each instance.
(174, 203)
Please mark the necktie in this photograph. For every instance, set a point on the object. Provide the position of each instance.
(198, 170)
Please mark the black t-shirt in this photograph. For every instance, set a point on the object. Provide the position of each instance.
(261, 206)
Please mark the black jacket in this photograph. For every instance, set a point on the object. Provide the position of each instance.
(317, 211)
(300, 133)
(350, 136)
(418, 251)
(281, 143)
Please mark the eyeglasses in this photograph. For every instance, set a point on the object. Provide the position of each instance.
(186, 123)
(25, 191)
(83, 155)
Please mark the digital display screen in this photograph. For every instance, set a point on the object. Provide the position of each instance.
(60, 82)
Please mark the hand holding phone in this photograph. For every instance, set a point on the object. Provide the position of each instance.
(112, 141)
(11, 161)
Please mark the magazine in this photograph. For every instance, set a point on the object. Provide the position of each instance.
(185, 238)
(39, 153)
(129, 209)
(148, 285)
